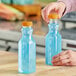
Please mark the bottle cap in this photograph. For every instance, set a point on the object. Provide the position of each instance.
(53, 16)
(27, 23)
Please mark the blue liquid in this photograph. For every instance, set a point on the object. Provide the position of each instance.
(52, 42)
(27, 52)
(6, 1)
(23, 2)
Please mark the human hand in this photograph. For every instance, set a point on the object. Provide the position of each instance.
(58, 7)
(65, 58)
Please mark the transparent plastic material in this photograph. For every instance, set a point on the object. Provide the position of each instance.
(27, 52)
(6, 1)
(52, 41)
(23, 2)
(19, 2)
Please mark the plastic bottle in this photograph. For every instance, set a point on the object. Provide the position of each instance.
(6, 1)
(27, 50)
(53, 39)
(23, 2)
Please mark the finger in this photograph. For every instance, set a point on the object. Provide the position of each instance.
(55, 59)
(65, 61)
(57, 10)
(66, 56)
(55, 56)
(60, 57)
(67, 64)
(62, 62)
(43, 15)
(62, 53)
(60, 12)
(69, 51)
(57, 64)
(47, 10)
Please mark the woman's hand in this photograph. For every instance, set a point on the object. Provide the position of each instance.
(58, 7)
(65, 58)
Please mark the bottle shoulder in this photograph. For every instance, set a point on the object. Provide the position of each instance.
(27, 40)
(52, 35)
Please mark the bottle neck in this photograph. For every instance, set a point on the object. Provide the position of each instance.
(53, 25)
(55, 21)
(27, 31)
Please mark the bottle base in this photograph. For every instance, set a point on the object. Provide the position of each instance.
(49, 64)
(26, 72)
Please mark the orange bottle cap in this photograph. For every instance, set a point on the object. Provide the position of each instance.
(53, 16)
(27, 23)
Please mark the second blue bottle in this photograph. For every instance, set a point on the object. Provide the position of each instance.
(53, 39)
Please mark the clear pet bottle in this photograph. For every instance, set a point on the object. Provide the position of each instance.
(27, 50)
(53, 39)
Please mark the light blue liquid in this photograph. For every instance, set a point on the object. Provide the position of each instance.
(27, 52)
(6, 1)
(52, 42)
(18, 2)
(23, 2)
